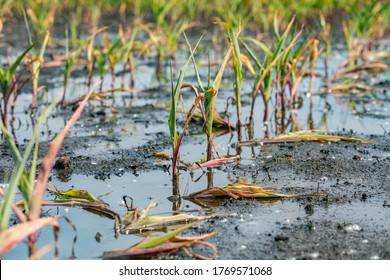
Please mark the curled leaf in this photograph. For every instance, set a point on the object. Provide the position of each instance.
(75, 196)
(167, 243)
(146, 223)
(215, 162)
(241, 190)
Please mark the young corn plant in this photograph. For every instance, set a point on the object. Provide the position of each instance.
(175, 138)
(9, 82)
(42, 15)
(268, 70)
(233, 32)
(31, 187)
(210, 94)
(72, 57)
(35, 66)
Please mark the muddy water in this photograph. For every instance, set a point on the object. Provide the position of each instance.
(110, 153)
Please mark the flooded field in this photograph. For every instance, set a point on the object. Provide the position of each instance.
(111, 152)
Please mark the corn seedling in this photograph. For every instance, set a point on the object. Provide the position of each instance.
(35, 66)
(175, 138)
(233, 33)
(32, 187)
(9, 82)
(268, 70)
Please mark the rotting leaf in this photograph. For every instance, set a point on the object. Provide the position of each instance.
(160, 155)
(146, 223)
(166, 243)
(242, 190)
(307, 135)
(74, 196)
(355, 88)
(214, 162)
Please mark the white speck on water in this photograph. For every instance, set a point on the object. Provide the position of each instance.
(243, 247)
(324, 178)
(277, 211)
(268, 156)
(108, 186)
(134, 180)
(351, 252)
(66, 210)
(224, 220)
(353, 228)
(365, 241)
(314, 255)
(94, 162)
(375, 257)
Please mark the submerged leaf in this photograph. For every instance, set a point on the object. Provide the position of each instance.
(307, 135)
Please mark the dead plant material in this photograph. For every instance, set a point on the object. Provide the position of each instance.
(351, 89)
(214, 162)
(299, 136)
(133, 223)
(242, 190)
(167, 243)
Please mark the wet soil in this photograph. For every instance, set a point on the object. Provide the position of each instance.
(350, 220)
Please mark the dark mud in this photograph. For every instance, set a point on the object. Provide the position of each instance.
(350, 220)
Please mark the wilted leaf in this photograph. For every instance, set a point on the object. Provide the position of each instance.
(157, 223)
(242, 190)
(10, 237)
(356, 88)
(166, 243)
(215, 162)
(370, 67)
(161, 155)
(74, 196)
(307, 135)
